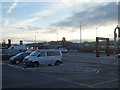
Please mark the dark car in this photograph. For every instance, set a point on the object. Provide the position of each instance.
(18, 57)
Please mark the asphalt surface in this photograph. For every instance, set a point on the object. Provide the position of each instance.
(79, 70)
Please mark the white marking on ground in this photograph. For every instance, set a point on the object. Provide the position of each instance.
(68, 81)
(50, 77)
(12, 65)
(105, 82)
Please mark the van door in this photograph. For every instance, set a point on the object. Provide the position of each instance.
(42, 58)
(51, 57)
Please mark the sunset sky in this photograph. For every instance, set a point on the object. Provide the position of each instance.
(50, 20)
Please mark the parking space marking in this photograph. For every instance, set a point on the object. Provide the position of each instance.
(104, 82)
(12, 65)
(66, 80)
(76, 83)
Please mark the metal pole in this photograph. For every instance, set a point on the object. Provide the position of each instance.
(97, 47)
(57, 36)
(35, 36)
(107, 49)
(96, 31)
(118, 39)
(80, 35)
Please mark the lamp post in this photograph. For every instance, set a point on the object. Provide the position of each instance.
(96, 31)
(80, 34)
(57, 37)
(35, 36)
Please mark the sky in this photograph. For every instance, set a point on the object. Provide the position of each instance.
(50, 20)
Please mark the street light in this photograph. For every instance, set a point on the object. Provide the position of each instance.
(80, 34)
(57, 37)
(96, 31)
(35, 36)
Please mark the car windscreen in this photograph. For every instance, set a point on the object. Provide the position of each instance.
(18, 54)
(34, 53)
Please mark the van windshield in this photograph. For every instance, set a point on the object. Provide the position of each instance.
(34, 53)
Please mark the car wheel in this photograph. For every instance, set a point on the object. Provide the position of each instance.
(35, 64)
(17, 62)
(57, 62)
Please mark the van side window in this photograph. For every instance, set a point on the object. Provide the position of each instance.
(41, 54)
(53, 53)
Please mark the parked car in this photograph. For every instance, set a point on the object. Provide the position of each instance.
(63, 50)
(19, 57)
(46, 57)
(117, 56)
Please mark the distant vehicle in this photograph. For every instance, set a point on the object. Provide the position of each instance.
(19, 57)
(63, 50)
(46, 57)
(18, 47)
(117, 56)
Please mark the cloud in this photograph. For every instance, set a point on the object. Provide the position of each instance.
(12, 7)
(6, 22)
(29, 28)
(102, 14)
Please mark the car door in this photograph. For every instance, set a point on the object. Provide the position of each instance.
(19, 57)
(42, 58)
(51, 57)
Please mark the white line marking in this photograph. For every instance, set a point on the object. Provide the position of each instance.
(51, 77)
(104, 82)
(68, 81)
(12, 65)
(90, 86)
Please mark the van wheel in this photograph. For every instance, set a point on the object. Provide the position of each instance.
(57, 62)
(17, 62)
(35, 64)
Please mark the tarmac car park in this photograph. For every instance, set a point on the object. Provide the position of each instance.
(76, 71)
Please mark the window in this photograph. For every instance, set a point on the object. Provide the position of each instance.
(53, 53)
(25, 54)
(34, 53)
(41, 54)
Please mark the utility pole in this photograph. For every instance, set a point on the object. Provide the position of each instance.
(57, 37)
(80, 35)
(35, 36)
(96, 31)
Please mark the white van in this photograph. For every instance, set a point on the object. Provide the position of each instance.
(47, 57)
(18, 47)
